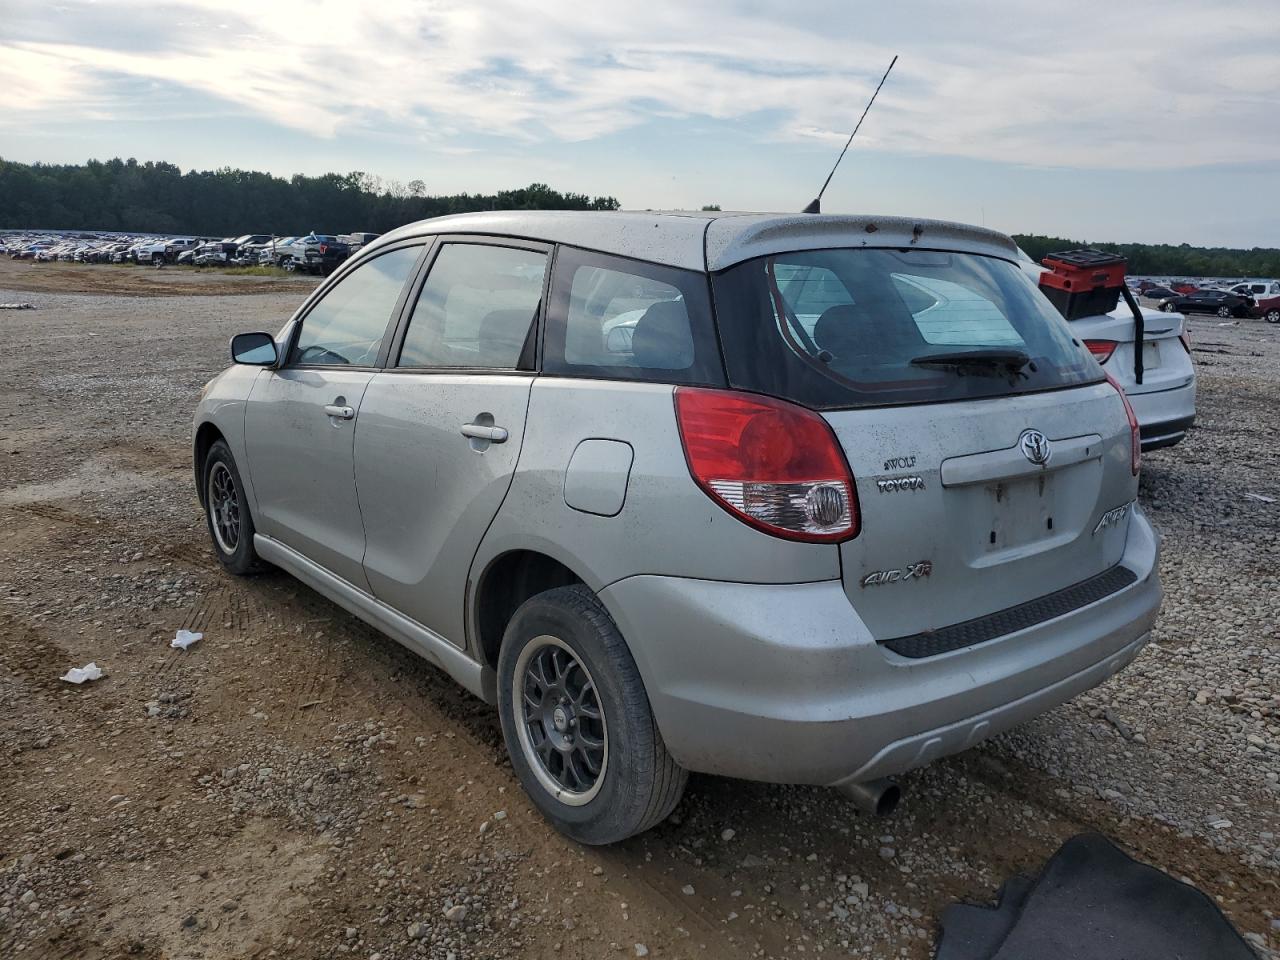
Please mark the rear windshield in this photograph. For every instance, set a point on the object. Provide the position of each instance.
(865, 327)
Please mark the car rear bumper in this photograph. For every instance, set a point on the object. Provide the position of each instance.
(783, 683)
(1164, 416)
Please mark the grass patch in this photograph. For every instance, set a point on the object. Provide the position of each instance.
(250, 272)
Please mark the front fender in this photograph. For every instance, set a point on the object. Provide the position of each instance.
(222, 407)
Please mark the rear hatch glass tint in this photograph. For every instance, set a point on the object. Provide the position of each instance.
(845, 328)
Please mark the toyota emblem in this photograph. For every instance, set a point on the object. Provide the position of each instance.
(1035, 446)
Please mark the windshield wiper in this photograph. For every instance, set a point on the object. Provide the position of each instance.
(1011, 359)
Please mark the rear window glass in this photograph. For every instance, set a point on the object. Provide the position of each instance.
(621, 319)
(842, 328)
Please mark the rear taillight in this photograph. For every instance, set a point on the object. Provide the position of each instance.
(1101, 349)
(774, 465)
(1135, 432)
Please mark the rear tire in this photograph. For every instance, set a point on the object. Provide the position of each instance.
(1224, 312)
(1273, 315)
(577, 722)
(1167, 307)
(226, 511)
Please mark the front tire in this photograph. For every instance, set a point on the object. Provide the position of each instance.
(1167, 307)
(226, 511)
(1273, 315)
(577, 721)
(1224, 312)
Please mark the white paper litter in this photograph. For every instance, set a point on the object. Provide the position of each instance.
(90, 671)
(1260, 498)
(184, 639)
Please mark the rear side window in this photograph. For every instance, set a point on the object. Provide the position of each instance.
(476, 308)
(863, 327)
(621, 319)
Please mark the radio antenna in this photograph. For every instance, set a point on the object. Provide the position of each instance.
(815, 205)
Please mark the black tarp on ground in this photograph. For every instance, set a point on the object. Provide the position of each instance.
(1092, 902)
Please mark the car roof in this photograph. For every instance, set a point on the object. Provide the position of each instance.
(710, 240)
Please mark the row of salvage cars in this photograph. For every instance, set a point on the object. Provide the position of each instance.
(313, 253)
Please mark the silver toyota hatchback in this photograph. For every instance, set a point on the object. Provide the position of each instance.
(802, 499)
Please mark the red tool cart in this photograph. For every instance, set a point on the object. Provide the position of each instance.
(1084, 283)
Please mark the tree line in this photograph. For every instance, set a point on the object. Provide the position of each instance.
(157, 197)
(1168, 260)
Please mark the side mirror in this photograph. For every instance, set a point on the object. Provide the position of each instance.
(255, 349)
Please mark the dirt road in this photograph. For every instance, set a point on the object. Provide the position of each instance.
(297, 785)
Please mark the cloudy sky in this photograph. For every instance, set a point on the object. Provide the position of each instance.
(1103, 121)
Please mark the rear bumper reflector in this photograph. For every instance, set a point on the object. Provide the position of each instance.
(931, 643)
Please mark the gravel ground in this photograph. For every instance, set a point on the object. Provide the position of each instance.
(296, 785)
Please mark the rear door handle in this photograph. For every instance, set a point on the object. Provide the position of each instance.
(479, 431)
(339, 411)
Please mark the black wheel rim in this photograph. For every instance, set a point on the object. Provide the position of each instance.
(560, 722)
(224, 508)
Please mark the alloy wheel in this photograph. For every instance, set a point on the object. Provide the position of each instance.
(1224, 312)
(559, 720)
(224, 508)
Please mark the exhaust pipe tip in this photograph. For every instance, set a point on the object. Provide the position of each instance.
(875, 797)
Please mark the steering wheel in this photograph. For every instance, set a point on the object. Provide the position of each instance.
(320, 354)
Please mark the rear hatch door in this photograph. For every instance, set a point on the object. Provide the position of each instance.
(958, 521)
(990, 455)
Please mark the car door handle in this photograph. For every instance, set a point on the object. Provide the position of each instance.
(339, 411)
(478, 431)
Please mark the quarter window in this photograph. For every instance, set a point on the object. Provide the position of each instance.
(346, 327)
(476, 308)
(616, 318)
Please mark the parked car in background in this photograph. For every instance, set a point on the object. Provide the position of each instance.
(1164, 401)
(258, 252)
(152, 251)
(29, 252)
(1217, 302)
(130, 253)
(848, 497)
(323, 254)
(276, 251)
(212, 254)
(250, 239)
(1152, 295)
(176, 246)
(164, 250)
(357, 240)
(1266, 298)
